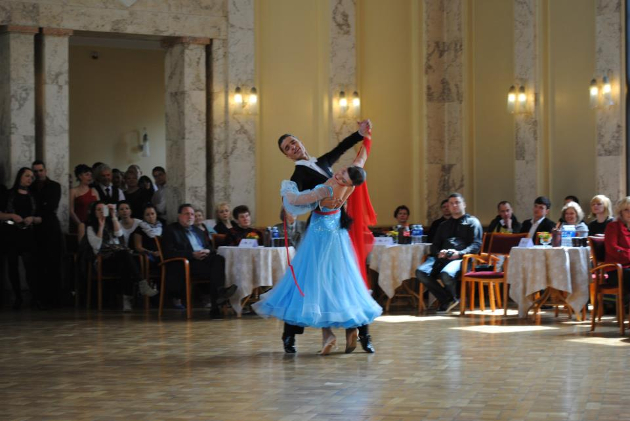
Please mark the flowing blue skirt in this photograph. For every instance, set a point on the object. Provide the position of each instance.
(326, 270)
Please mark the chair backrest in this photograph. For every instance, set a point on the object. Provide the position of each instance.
(218, 240)
(158, 243)
(485, 242)
(598, 250)
(503, 243)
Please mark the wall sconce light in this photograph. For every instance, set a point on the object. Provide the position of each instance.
(245, 105)
(600, 95)
(607, 92)
(343, 102)
(353, 105)
(593, 94)
(511, 100)
(144, 145)
(517, 100)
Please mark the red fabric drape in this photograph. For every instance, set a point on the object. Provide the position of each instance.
(361, 211)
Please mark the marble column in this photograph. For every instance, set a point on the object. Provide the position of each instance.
(610, 162)
(185, 69)
(343, 71)
(444, 102)
(527, 127)
(17, 100)
(233, 139)
(52, 111)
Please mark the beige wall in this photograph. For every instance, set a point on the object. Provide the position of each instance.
(111, 100)
(572, 131)
(492, 68)
(387, 51)
(291, 55)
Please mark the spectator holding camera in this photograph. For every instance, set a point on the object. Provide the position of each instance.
(459, 235)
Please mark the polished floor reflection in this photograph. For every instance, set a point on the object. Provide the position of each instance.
(113, 366)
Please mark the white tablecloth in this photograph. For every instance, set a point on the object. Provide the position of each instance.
(397, 263)
(564, 268)
(250, 268)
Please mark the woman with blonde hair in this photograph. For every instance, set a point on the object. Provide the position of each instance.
(572, 214)
(601, 211)
(224, 222)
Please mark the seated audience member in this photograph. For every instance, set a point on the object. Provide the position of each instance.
(617, 241)
(601, 211)
(459, 235)
(402, 215)
(19, 215)
(200, 222)
(148, 229)
(165, 197)
(446, 214)
(137, 197)
(295, 228)
(506, 221)
(183, 239)
(572, 214)
(224, 219)
(107, 192)
(81, 197)
(569, 198)
(243, 227)
(128, 224)
(145, 182)
(103, 235)
(539, 222)
(118, 179)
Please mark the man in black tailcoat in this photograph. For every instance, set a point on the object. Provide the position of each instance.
(308, 173)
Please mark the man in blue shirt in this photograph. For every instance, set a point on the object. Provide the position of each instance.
(183, 239)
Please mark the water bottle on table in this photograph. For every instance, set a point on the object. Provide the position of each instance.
(567, 232)
(416, 234)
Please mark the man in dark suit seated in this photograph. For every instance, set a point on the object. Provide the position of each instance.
(243, 228)
(446, 214)
(540, 222)
(505, 222)
(183, 239)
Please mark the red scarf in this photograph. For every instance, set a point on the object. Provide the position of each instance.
(362, 213)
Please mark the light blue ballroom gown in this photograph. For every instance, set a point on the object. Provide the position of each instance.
(326, 270)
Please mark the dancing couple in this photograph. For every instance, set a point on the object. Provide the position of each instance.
(327, 289)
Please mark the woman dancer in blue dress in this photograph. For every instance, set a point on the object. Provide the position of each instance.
(328, 290)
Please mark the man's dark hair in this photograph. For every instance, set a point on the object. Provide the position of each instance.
(81, 169)
(572, 198)
(160, 169)
(458, 195)
(542, 200)
(96, 164)
(284, 136)
(239, 210)
(38, 162)
(443, 202)
(503, 202)
(181, 207)
(357, 175)
(399, 208)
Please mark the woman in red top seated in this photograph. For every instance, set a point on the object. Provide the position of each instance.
(617, 241)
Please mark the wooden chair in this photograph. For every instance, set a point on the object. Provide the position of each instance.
(218, 240)
(498, 245)
(190, 281)
(100, 277)
(598, 255)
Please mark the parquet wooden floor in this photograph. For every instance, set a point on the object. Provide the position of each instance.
(114, 366)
